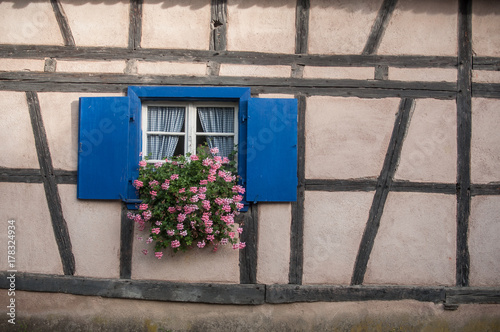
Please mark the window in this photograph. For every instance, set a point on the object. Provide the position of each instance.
(170, 129)
(111, 138)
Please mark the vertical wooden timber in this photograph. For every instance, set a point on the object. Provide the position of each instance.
(126, 244)
(301, 34)
(248, 255)
(379, 26)
(62, 20)
(59, 225)
(135, 25)
(463, 139)
(384, 183)
(218, 33)
(297, 225)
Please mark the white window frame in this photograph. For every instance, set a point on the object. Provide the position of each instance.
(190, 120)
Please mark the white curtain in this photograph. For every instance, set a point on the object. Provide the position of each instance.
(167, 119)
(218, 120)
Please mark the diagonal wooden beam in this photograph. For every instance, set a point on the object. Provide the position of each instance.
(384, 184)
(62, 20)
(379, 26)
(59, 225)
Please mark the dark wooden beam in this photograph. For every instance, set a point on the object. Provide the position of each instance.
(340, 185)
(301, 26)
(248, 255)
(40, 81)
(62, 20)
(333, 293)
(234, 57)
(296, 264)
(33, 175)
(218, 25)
(59, 225)
(485, 63)
(379, 26)
(126, 244)
(138, 289)
(135, 25)
(478, 295)
(486, 90)
(384, 183)
(485, 189)
(464, 96)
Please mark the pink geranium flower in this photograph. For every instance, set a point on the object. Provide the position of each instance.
(158, 254)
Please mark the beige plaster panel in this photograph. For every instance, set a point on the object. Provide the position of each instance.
(171, 68)
(176, 24)
(484, 247)
(90, 66)
(416, 241)
(62, 312)
(29, 22)
(485, 76)
(485, 144)
(353, 73)
(261, 26)
(254, 71)
(430, 148)
(21, 64)
(274, 243)
(423, 74)
(424, 27)
(16, 134)
(94, 228)
(333, 226)
(98, 23)
(60, 117)
(35, 244)
(486, 28)
(340, 26)
(347, 137)
(195, 265)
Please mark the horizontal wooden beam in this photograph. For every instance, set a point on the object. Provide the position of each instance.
(40, 81)
(246, 294)
(333, 293)
(33, 175)
(138, 289)
(234, 57)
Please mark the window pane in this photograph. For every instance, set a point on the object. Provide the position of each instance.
(163, 146)
(215, 120)
(224, 143)
(169, 119)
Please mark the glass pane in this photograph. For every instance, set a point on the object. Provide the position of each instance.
(163, 146)
(224, 143)
(166, 119)
(215, 120)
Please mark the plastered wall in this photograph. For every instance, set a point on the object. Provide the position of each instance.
(346, 138)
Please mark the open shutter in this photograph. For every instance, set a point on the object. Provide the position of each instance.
(271, 150)
(103, 161)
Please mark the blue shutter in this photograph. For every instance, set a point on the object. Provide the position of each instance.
(103, 160)
(271, 154)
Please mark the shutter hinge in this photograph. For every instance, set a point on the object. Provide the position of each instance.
(243, 118)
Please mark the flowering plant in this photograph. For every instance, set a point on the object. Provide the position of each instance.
(189, 201)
